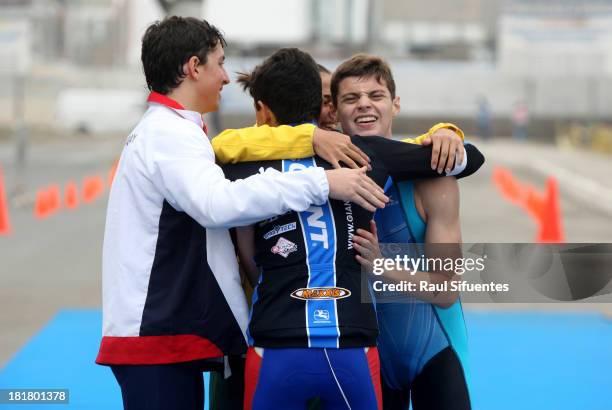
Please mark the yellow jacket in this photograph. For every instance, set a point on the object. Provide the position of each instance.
(270, 143)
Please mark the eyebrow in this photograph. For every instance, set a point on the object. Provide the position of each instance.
(356, 94)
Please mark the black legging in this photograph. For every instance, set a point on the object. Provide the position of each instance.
(161, 387)
(440, 386)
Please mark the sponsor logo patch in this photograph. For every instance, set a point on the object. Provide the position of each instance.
(270, 220)
(326, 293)
(321, 316)
(284, 247)
(277, 230)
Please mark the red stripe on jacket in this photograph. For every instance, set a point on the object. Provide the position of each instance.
(155, 349)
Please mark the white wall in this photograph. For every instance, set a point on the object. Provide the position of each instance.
(140, 14)
(556, 45)
(260, 22)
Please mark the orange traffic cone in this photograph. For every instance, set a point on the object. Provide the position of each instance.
(551, 229)
(71, 196)
(92, 188)
(54, 198)
(510, 188)
(40, 206)
(5, 223)
(47, 201)
(534, 204)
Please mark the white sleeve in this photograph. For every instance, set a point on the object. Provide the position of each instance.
(459, 167)
(183, 168)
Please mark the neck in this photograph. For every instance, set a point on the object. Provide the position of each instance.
(187, 99)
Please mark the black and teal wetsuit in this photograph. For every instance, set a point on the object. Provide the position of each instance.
(422, 347)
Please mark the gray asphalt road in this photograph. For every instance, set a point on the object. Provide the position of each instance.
(46, 265)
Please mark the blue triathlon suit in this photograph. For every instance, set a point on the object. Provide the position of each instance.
(422, 347)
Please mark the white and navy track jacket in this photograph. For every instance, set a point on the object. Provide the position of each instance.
(171, 288)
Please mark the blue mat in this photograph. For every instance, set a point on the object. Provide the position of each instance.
(62, 356)
(518, 361)
(540, 361)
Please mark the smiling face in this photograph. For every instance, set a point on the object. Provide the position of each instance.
(365, 106)
(212, 79)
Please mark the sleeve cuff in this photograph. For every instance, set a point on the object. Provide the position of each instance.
(323, 185)
(459, 167)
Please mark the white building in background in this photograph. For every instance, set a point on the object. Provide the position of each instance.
(388, 27)
(15, 47)
(274, 23)
(438, 29)
(253, 23)
(85, 32)
(138, 14)
(555, 55)
(556, 38)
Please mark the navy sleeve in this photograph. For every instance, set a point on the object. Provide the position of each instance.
(404, 161)
(244, 170)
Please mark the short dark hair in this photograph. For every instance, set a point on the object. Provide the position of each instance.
(288, 82)
(168, 44)
(362, 66)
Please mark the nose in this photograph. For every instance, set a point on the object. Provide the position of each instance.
(226, 79)
(363, 101)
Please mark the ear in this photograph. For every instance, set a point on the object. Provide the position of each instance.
(396, 105)
(264, 114)
(191, 68)
(333, 110)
